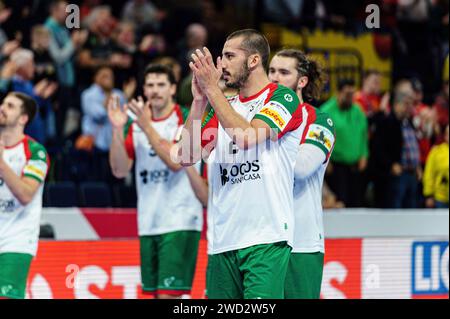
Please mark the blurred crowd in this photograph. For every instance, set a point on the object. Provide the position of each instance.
(391, 149)
(389, 144)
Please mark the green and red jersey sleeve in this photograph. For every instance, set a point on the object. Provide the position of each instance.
(38, 162)
(129, 144)
(281, 110)
(210, 127)
(319, 130)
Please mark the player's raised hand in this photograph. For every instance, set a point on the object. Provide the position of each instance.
(197, 92)
(117, 115)
(142, 111)
(205, 72)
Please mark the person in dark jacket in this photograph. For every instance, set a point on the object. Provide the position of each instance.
(395, 156)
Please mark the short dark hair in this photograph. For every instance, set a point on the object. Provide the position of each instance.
(55, 3)
(29, 106)
(345, 82)
(254, 42)
(101, 67)
(160, 69)
(309, 68)
(370, 72)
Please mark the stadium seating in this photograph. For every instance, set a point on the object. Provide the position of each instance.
(61, 194)
(95, 194)
(124, 196)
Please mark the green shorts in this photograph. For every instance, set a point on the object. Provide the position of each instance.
(168, 262)
(257, 272)
(304, 276)
(14, 268)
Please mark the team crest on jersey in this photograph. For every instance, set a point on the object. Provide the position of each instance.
(288, 98)
(322, 135)
(330, 122)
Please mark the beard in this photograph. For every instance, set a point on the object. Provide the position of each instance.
(6, 122)
(3, 121)
(241, 78)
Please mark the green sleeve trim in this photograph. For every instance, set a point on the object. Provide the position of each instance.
(323, 148)
(268, 121)
(33, 177)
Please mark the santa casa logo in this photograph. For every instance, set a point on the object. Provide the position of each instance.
(157, 176)
(430, 270)
(240, 173)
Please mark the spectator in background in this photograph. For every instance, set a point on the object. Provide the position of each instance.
(441, 108)
(142, 13)
(424, 121)
(349, 158)
(93, 103)
(99, 47)
(44, 66)
(152, 45)
(17, 75)
(125, 45)
(369, 98)
(63, 47)
(395, 158)
(196, 37)
(87, 6)
(172, 64)
(435, 178)
(329, 200)
(6, 46)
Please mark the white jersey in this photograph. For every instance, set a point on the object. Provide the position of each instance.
(317, 130)
(251, 200)
(19, 224)
(166, 201)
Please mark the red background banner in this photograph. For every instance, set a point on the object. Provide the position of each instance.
(110, 270)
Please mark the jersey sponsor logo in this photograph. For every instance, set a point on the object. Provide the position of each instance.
(430, 269)
(320, 134)
(7, 206)
(36, 167)
(281, 109)
(278, 113)
(156, 177)
(34, 171)
(16, 158)
(152, 152)
(275, 117)
(240, 173)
